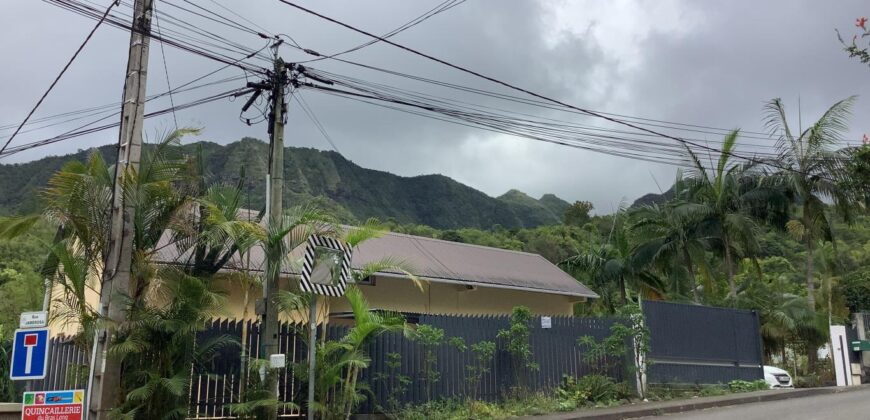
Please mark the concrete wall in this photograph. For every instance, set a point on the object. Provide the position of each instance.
(10, 411)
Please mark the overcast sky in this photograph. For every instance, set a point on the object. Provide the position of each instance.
(699, 62)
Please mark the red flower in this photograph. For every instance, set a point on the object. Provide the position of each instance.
(860, 23)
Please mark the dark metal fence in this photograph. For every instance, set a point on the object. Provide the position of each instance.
(555, 350)
(689, 345)
(67, 367)
(693, 344)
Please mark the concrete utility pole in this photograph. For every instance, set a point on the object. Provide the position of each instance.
(105, 372)
(269, 341)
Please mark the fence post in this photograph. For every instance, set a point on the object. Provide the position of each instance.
(760, 343)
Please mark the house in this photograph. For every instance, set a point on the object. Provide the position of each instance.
(457, 278)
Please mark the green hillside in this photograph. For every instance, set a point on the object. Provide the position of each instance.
(329, 179)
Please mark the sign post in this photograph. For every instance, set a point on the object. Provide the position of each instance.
(53, 405)
(325, 271)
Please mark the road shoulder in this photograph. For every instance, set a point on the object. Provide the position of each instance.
(648, 409)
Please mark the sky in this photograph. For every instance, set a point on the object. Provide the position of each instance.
(697, 62)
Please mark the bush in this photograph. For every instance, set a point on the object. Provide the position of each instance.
(589, 390)
(746, 386)
(472, 409)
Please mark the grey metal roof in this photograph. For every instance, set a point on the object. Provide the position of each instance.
(444, 262)
(434, 259)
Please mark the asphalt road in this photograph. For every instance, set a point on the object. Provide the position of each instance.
(847, 405)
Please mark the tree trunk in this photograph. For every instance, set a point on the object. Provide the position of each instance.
(691, 269)
(622, 293)
(811, 287)
(812, 352)
(243, 383)
(729, 268)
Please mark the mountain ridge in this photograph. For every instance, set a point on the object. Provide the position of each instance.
(327, 178)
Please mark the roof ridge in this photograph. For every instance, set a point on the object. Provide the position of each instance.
(463, 244)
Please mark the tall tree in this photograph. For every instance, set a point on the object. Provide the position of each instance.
(610, 268)
(669, 235)
(723, 191)
(813, 170)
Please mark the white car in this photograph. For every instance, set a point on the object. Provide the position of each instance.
(777, 378)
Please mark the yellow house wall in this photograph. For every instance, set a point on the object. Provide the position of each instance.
(403, 296)
(388, 293)
(439, 298)
(59, 324)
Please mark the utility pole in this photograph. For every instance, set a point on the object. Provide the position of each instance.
(105, 372)
(269, 325)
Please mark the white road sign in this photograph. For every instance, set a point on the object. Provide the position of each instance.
(37, 319)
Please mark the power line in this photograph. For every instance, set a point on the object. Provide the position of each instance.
(77, 133)
(492, 124)
(241, 17)
(700, 129)
(442, 7)
(88, 11)
(165, 67)
(355, 83)
(750, 159)
(313, 117)
(56, 79)
(93, 111)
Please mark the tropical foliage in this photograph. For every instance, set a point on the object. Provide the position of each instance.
(785, 236)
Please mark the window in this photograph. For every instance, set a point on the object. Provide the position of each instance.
(368, 281)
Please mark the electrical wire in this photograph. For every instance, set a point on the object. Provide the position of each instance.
(229, 94)
(165, 67)
(677, 126)
(112, 108)
(749, 159)
(442, 7)
(85, 10)
(314, 120)
(57, 79)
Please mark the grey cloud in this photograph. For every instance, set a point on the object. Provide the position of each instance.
(717, 73)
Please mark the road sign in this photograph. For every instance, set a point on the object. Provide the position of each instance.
(326, 266)
(29, 354)
(33, 320)
(53, 405)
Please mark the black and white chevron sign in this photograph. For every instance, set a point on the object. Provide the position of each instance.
(308, 266)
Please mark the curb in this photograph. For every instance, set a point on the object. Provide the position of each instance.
(694, 404)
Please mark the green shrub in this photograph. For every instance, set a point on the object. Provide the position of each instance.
(746, 386)
(472, 409)
(589, 390)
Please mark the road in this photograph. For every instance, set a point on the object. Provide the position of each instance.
(846, 405)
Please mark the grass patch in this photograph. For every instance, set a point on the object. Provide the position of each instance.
(479, 410)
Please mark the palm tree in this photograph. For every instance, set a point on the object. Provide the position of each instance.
(670, 235)
(812, 170)
(340, 363)
(786, 320)
(724, 193)
(159, 345)
(611, 264)
(78, 199)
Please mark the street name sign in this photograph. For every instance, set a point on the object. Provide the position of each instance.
(29, 354)
(37, 319)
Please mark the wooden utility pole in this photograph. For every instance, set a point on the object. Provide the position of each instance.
(269, 341)
(105, 372)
